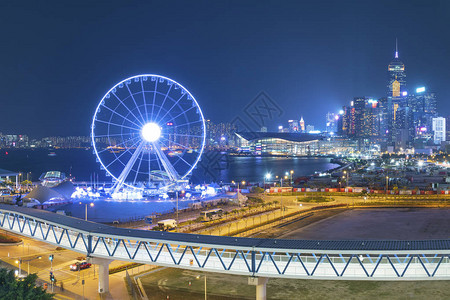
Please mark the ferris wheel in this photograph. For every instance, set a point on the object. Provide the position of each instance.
(148, 131)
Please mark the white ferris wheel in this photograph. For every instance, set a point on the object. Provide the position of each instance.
(148, 131)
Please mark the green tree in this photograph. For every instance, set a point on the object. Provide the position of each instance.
(257, 190)
(13, 288)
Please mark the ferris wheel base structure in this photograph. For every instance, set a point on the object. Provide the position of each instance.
(125, 193)
(157, 128)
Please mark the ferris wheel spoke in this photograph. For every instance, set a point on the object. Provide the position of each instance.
(120, 115)
(185, 161)
(179, 99)
(157, 160)
(109, 135)
(118, 145)
(118, 125)
(188, 135)
(145, 101)
(164, 101)
(139, 166)
(179, 156)
(135, 103)
(183, 113)
(187, 148)
(128, 167)
(120, 100)
(188, 123)
(170, 170)
(118, 157)
(149, 168)
(154, 98)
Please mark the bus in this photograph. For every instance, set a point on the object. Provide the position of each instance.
(212, 214)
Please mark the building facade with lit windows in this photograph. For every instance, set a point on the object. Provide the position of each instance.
(279, 143)
(439, 130)
(295, 144)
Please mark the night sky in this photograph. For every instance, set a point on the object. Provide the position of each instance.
(58, 59)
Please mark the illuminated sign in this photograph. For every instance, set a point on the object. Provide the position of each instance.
(373, 102)
(420, 89)
(405, 93)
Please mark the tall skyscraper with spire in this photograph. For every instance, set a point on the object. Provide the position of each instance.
(397, 117)
(302, 125)
(396, 75)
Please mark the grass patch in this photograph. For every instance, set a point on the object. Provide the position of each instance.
(4, 238)
(124, 267)
(175, 284)
(316, 199)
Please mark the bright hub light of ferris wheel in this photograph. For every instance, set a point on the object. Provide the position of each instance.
(151, 132)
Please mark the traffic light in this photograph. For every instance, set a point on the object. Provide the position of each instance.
(50, 257)
(52, 277)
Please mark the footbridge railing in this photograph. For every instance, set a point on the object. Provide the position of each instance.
(359, 260)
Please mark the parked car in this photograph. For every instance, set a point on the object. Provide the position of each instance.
(80, 266)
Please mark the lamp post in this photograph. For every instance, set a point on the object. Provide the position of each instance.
(28, 179)
(86, 209)
(267, 176)
(177, 210)
(387, 186)
(198, 277)
(281, 198)
(28, 261)
(19, 261)
(291, 172)
(346, 176)
(18, 183)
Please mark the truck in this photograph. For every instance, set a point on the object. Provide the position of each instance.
(167, 224)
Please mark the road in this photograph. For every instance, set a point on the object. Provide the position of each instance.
(72, 281)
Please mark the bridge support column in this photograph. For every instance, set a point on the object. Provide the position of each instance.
(103, 272)
(260, 283)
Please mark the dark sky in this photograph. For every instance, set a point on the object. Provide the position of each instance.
(58, 59)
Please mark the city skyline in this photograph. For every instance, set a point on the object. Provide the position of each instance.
(299, 61)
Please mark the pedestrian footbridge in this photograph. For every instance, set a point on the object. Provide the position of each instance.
(253, 257)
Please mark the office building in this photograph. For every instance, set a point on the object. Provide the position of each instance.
(439, 130)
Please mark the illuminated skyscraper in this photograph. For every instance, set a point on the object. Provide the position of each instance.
(423, 108)
(293, 125)
(302, 125)
(331, 123)
(439, 130)
(396, 76)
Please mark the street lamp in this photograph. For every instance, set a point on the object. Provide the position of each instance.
(28, 179)
(28, 261)
(86, 206)
(291, 172)
(198, 277)
(177, 207)
(281, 198)
(19, 261)
(267, 176)
(387, 185)
(18, 178)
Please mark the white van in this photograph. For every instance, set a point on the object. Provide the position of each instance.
(168, 224)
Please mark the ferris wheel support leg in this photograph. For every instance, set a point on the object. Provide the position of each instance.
(121, 179)
(171, 172)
